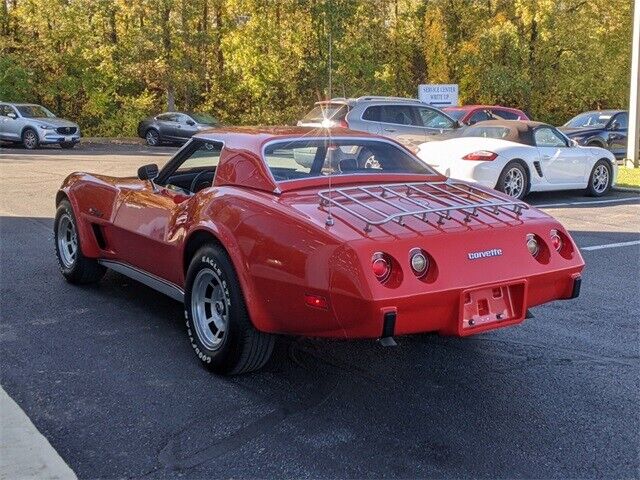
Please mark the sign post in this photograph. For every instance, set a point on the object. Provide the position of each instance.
(633, 143)
(439, 95)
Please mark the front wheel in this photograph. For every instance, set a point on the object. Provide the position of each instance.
(600, 179)
(152, 137)
(30, 139)
(75, 267)
(218, 324)
(513, 180)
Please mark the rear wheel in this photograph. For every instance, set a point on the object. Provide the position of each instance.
(152, 137)
(75, 267)
(600, 179)
(513, 180)
(30, 139)
(218, 324)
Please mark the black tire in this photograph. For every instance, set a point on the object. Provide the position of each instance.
(67, 145)
(152, 137)
(30, 139)
(506, 180)
(76, 269)
(241, 348)
(595, 187)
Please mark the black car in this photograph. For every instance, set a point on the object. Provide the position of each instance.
(602, 128)
(172, 127)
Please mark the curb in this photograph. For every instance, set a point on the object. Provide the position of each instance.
(626, 189)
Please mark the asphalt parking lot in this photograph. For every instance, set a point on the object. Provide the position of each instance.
(106, 373)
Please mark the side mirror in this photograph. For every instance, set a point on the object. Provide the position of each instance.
(12, 115)
(148, 172)
(191, 122)
(614, 126)
(573, 143)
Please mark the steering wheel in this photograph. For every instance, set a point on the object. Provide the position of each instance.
(194, 182)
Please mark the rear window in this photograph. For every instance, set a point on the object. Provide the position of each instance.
(296, 159)
(505, 114)
(326, 111)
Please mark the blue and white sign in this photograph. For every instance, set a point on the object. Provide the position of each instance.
(439, 95)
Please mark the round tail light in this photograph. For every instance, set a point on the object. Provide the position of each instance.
(419, 262)
(381, 266)
(556, 240)
(532, 245)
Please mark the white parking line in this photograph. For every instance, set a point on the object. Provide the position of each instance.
(612, 245)
(588, 202)
(24, 452)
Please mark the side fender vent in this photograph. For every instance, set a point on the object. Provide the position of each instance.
(538, 168)
(97, 232)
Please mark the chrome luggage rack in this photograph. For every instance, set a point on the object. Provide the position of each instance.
(419, 200)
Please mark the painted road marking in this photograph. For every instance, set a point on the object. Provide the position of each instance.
(24, 452)
(612, 245)
(588, 202)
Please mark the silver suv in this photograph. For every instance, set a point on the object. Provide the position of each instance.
(33, 125)
(404, 119)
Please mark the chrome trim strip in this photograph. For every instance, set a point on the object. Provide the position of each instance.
(148, 279)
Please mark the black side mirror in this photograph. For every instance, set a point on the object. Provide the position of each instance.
(148, 172)
(614, 126)
(191, 122)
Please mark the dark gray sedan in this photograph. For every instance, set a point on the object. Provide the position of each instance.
(174, 127)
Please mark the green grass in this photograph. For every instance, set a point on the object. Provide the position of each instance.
(628, 177)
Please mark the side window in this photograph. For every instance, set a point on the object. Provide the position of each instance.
(206, 156)
(166, 117)
(479, 116)
(397, 114)
(622, 119)
(432, 118)
(548, 137)
(504, 114)
(372, 114)
(4, 110)
(183, 119)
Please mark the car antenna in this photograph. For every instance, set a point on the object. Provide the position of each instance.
(329, 221)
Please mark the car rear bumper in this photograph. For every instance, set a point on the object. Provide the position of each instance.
(456, 312)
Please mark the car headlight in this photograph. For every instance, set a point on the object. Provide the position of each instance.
(47, 127)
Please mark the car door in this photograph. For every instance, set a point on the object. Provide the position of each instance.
(618, 130)
(10, 123)
(151, 215)
(560, 161)
(186, 127)
(168, 125)
(436, 125)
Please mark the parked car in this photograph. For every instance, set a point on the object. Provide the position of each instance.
(33, 125)
(471, 114)
(174, 127)
(520, 157)
(255, 245)
(603, 128)
(407, 120)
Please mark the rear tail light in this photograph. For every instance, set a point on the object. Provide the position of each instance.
(419, 262)
(316, 301)
(481, 156)
(556, 240)
(381, 266)
(532, 245)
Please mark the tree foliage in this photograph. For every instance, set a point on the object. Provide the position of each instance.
(107, 63)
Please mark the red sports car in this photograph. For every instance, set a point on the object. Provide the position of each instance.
(279, 231)
(471, 114)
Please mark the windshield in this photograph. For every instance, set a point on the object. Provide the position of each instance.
(204, 118)
(592, 119)
(296, 159)
(456, 114)
(34, 111)
(333, 111)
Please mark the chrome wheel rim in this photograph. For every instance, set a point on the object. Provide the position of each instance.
(152, 138)
(514, 182)
(67, 240)
(600, 179)
(30, 139)
(209, 308)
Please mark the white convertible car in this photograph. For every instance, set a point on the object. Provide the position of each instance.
(518, 157)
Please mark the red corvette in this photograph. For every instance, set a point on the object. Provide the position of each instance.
(278, 231)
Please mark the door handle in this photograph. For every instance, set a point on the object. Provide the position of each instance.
(389, 129)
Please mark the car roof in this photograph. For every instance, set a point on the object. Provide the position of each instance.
(473, 107)
(260, 135)
(610, 111)
(371, 98)
(519, 131)
(22, 104)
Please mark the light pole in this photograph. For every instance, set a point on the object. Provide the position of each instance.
(633, 143)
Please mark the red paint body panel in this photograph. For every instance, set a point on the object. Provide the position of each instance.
(471, 109)
(283, 251)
